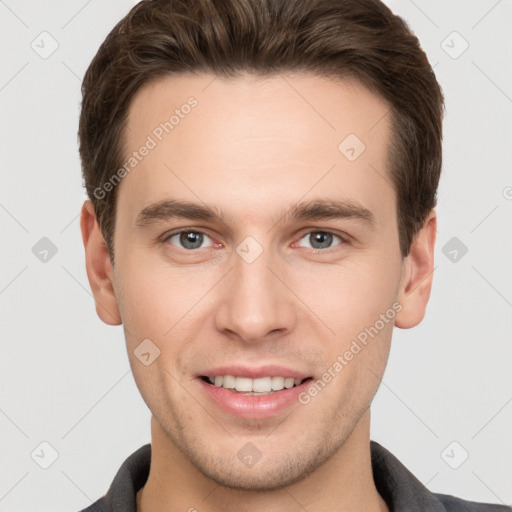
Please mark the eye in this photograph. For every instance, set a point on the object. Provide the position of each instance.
(320, 239)
(188, 239)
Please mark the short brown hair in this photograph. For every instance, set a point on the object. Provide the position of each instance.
(358, 39)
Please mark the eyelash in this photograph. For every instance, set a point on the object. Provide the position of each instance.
(344, 239)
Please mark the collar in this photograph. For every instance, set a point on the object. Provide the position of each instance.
(401, 490)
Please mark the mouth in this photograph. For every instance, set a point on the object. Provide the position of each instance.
(257, 398)
(254, 387)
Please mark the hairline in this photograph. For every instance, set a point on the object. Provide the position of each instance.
(349, 78)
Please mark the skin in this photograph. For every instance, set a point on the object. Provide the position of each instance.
(252, 147)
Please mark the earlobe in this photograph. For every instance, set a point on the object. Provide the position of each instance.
(417, 275)
(99, 267)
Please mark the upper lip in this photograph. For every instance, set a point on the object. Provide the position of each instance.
(270, 370)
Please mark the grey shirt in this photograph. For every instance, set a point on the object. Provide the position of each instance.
(401, 490)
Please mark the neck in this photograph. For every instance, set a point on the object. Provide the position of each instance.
(343, 483)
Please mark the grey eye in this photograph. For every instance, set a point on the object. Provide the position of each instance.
(320, 239)
(188, 239)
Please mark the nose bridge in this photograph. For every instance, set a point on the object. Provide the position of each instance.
(256, 302)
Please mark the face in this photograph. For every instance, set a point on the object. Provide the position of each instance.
(257, 237)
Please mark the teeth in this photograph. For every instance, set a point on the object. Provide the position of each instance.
(228, 382)
(243, 384)
(254, 386)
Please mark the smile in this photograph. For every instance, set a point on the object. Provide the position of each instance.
(253, 399)
(259, 386)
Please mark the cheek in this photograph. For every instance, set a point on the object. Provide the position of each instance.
(154, 297)
(352, 295)
(353, 372)
(145, 301)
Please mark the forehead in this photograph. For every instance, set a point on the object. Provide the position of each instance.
(250, 141)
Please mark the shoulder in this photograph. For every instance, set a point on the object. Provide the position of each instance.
(98, 506)
(453, 504)
(403, 492)
(131, 477)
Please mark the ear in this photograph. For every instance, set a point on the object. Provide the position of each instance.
(99, 267)
(417, 274)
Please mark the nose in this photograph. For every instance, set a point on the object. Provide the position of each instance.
(255, 303)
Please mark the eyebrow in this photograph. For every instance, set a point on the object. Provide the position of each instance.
(315, 210)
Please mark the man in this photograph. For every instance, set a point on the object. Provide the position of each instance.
(262, 179)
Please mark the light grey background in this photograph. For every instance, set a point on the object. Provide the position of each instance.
(65, 377)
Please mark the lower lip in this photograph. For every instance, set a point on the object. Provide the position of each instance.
(253, 406)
